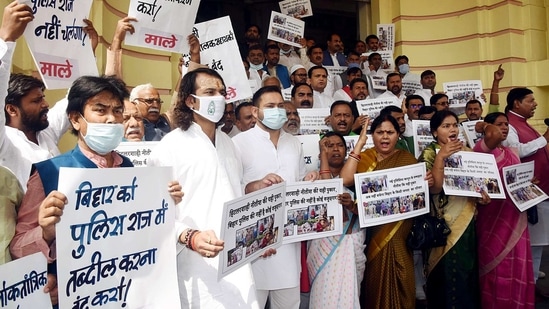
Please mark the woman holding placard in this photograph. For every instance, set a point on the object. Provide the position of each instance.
(452, 270)
(389, 277)
(505, 259)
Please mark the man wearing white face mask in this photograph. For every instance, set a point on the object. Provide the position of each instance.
(95, 109)
(269, 156)
(205, 163)
(410, 81)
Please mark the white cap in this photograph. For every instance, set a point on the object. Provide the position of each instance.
(296, 67)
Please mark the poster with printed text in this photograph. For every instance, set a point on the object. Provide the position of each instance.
(61, 49)
(137, 152)
(470, 134)
(23, 282)
(379, 82)
(162, 24)
(521, 190)
(422, 135)
(461, 92)
(251, 224)
(312, 210)
(410, 86)
(386, 35)
(219, 51)
(313, 120)
(296, 8)
(372, 107)
(332, 70)
(285, 29)
(392, 194)
(115, 240)
(466, 173)
(311, 151)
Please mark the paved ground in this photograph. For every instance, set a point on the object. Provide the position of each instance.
(543, 284)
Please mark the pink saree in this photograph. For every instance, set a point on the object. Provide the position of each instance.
(505, 259)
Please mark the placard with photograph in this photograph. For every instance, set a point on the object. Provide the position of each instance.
(521, 190)
(392, 194)
(296, 8)
(285, 29)
(422, 135)
(466, 173)
(386, 35)
(471, 135)
(312, 210)
(313, 120)
(461, 92)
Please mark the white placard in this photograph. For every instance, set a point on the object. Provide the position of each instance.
(251, 224)
(387, 62)
(372, 107)
(469, 132)
(461, 92)
(296, 8)
(137, 152)
(392, 194)
(219, 50)
(59, 46)
(115, 240)
(23, 282)
(285, 29)
(521, 190)
(466, 173)
(312, 120)
(422, 135)
(162, 24)
(351, 141)
(312, 210)
(386, 35)
(311, 151)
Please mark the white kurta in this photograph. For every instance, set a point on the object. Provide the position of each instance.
(259, 158)
(209, 177)
(16, 152)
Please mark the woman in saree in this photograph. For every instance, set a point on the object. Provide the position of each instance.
(336, 263)
(505, 259)
(452, 270)
(389, 277)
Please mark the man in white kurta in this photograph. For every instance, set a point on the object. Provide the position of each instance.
(205, 163)
(276, 276)
(17, 152)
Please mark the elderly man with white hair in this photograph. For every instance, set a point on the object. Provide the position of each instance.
(149, 103)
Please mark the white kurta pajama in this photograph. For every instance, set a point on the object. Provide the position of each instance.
(209, 176)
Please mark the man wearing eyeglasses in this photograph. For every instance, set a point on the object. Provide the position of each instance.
(228, 121)
(440, 102)
(149, 103)
(413, 103)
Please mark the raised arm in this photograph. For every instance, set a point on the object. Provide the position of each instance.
(494, 93)
(114, 52)
(92, 34)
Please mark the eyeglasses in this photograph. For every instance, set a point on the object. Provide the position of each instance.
(416, 106)
(150, 101)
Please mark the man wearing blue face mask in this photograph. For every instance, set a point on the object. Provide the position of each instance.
(410, 81)
(95, 109)
(206, 164)
(269, 156)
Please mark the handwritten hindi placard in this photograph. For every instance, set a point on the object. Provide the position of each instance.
(251, 224)
(115, 240)
(219, 50)
(59, 46)
(23, 281)
(162, 24)
(312, 210)
(392, 194)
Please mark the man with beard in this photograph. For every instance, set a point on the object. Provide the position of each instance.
(272, 53)
(359, 91)
(302, 96)
(28, 126)
(394, 88)
(134, 129)
(252, 36)
(294, 122)
(341, 118)
(244, 118)
(148, 100)
(228, 121)
(473, 110)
